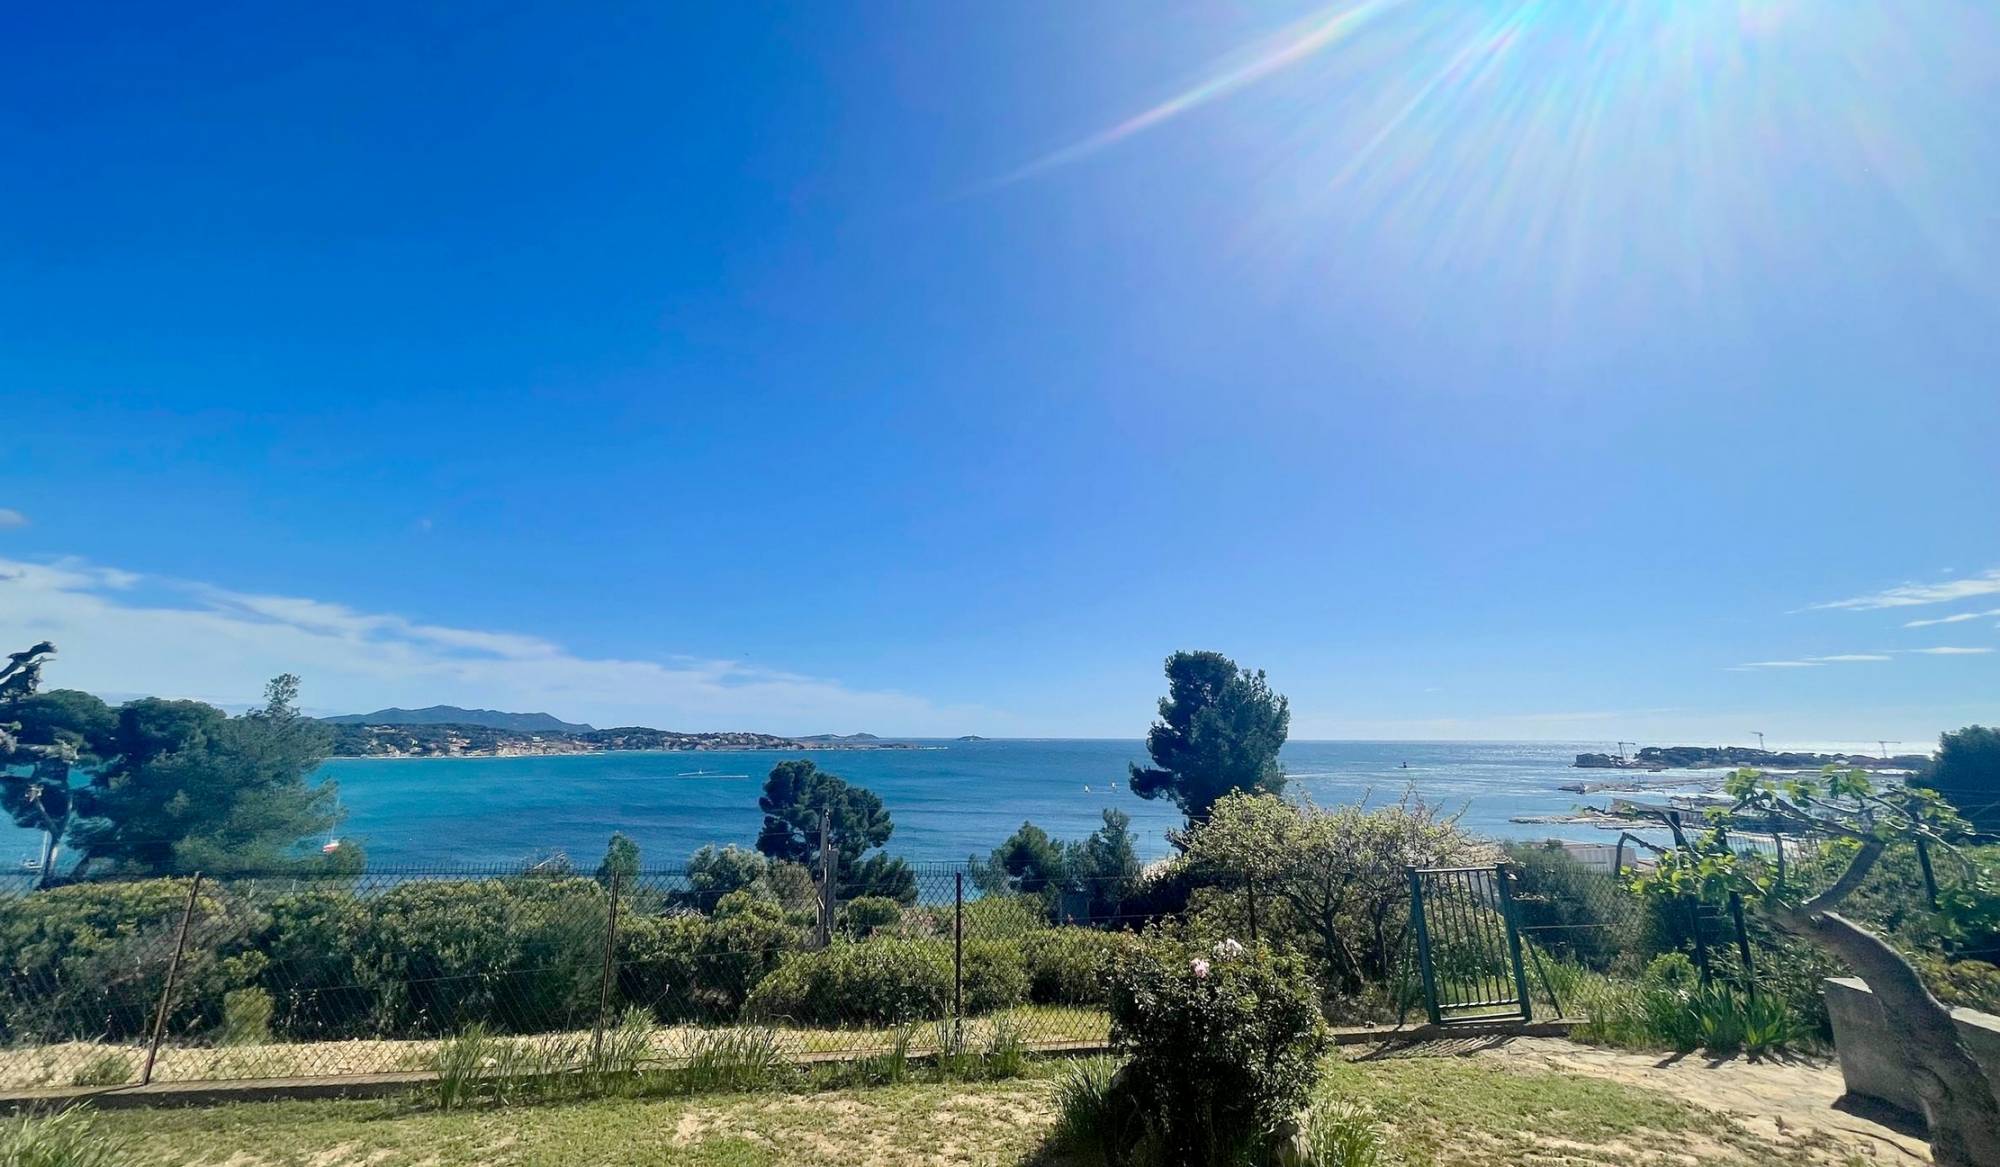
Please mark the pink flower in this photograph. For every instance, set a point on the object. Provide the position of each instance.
(1199, 966)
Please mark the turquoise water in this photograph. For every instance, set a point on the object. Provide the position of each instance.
(948, 801)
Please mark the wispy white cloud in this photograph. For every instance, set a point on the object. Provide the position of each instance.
(123, 632)
(1958, 618)
(1813, 662)
(9, 517)
(1911, 595)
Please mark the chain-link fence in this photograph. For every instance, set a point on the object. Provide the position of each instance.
(196, 979)
(250, 976)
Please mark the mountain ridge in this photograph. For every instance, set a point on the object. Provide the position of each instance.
(454, 715)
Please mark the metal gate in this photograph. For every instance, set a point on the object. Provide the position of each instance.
(1468, 944)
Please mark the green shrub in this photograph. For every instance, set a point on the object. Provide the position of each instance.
(521, 955)
(89, 960)
(1570, 911)
(1224, 1044)
(246, 1017)
(1068, 966)
(701, 968)
(995, 977)
(70, 1138)
(865, 916)
(1004, 917)
(879, 982)
(1973, 984)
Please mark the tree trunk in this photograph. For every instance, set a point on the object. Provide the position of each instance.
(1961, 1104)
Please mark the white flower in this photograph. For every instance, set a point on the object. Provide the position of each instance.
(1199, 966)
(1228, 950)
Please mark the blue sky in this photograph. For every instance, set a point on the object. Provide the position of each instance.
(1506, 370)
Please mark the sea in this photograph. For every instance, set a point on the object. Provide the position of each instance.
(948, 799)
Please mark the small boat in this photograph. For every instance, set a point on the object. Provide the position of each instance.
(31, 865)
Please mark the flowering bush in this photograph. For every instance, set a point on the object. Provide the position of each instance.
(1224, 1043)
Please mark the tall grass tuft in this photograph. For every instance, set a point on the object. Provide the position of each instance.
(1006, 1050)
(1086, 1118)
(732, 1060)
(1338, 1133)
(70, 1138)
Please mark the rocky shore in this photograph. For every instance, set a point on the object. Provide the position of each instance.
(1731, 757)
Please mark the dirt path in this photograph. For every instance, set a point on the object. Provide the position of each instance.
(1770, 1098)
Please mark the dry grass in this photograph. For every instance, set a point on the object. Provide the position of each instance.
(1439, 1112)
(62, 1064)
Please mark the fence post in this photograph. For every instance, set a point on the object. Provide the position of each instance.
(1930, 877)
(610, 969)
(1431, 1009)
(1506, 880)
(173, 975)
(1693, 905)
(826, 868)
(958, 961)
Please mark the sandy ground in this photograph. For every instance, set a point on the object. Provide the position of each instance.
(99, 1064)
(1769, 1097)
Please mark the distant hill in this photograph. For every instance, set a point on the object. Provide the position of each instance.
(453, 715)
(841, 737)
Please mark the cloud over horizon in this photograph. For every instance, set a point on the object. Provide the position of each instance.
(123, 632)
(1909, 595)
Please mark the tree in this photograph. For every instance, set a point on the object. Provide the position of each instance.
(46, 741)
(714, 872)
(1333, 884)
(186, 788)
(1966, 771)
(1105, 866)
(795, 794)
(1220, 729)
(621, 862)
(1027, 863)
(1093, 876)
(1863, 823)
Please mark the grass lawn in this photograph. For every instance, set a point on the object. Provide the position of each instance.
(1439, 1113)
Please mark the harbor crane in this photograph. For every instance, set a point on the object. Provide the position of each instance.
(1760, 740)
(1885, 747)
(1621, 749)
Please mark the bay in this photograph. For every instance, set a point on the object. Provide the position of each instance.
(949, 799)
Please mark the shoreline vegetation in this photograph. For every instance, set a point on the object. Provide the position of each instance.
(479, 741)
(1654, 758)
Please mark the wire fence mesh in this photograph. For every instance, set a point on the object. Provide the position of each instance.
(253, 976)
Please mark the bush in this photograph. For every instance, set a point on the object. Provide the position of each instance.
(90, 960)
(1570, 911)
(1668, 1008)
(995, 977)
(1224, 1045)
(523, 955)
(246, 1017)
(879, 982)
(1973, 984)
(702, 968)
(863, 917)
(1068, 966)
